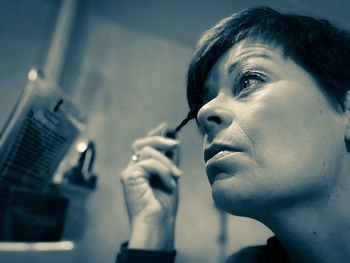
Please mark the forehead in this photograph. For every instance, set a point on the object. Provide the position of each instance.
(246, 52)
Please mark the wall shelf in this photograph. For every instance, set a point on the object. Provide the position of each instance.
(37, 246)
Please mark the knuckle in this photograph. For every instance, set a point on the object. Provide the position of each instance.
(148, 149)
(130, 170)
(130, 176)
(123, 176)
(136, 144)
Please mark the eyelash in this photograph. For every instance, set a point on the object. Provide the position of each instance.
(239, 89)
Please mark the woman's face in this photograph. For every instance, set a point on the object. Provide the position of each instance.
(272, 139)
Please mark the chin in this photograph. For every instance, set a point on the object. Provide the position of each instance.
(237, 200)
(230, 201)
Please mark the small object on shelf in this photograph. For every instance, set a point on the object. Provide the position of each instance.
(82, 173)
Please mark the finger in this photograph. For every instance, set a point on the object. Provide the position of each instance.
(155, 167)
(158, 142)
(159, 130)
(149, 152)
(133, 173)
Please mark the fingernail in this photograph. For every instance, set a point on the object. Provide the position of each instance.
(170, 142)
(163, 124)
(173, 183)
(177, 172)
(175, 142)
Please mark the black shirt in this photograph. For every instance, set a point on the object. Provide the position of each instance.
(272, 252)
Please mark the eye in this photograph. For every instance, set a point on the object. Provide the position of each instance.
(249, 81)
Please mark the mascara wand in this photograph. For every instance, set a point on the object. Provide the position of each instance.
(172, 134)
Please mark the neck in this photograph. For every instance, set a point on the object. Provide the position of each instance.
(318, 231)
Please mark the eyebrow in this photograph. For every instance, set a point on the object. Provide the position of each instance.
(235, 64)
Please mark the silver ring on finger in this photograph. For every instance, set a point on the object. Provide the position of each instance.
(135, 157)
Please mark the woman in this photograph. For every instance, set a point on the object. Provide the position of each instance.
(269, 92)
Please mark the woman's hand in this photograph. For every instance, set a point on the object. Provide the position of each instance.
(150, 184)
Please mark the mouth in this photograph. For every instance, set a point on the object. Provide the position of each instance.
(215, 149)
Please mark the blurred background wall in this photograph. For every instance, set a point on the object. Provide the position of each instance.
(125, 65)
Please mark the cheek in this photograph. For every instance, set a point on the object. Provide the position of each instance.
(294, 143)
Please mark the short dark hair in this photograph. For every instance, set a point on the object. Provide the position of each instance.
(317, 46)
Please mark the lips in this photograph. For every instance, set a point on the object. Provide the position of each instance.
(214, 149)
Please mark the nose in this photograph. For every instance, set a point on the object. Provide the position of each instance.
(214, 116)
